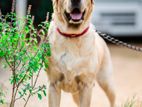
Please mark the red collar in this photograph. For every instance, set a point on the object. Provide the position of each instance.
(73, 35)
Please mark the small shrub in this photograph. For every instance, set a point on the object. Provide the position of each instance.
(24, 55)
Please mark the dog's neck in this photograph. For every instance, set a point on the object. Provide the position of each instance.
(68, 35)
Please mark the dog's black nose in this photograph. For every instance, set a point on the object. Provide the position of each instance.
(76, 3)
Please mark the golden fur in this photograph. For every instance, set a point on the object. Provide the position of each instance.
(76, 63)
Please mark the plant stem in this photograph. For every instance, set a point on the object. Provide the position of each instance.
(33, 86)
(27, 100)
(12, 103)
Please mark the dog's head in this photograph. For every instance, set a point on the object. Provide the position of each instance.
(72, 15)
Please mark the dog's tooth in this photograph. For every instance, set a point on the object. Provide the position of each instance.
(78, 22)
(70, 21)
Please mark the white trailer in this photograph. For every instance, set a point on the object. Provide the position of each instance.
(118, 17)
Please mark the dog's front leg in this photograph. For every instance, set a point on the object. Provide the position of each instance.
(54, 96)
(85, 96)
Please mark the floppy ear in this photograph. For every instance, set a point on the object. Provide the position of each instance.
(55, 3)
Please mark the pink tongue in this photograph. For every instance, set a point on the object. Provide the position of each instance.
(76, 16)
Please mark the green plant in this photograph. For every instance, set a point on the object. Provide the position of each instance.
(133, 102)
(129, 103)
(24, 55)
(2, 96)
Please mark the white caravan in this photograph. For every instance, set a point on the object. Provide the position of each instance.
(118, 17)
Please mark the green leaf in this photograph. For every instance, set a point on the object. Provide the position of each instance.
(2, 53)
(44, 92)
(39, 96)
(46, 62)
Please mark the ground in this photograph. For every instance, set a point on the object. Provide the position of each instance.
(127, 66)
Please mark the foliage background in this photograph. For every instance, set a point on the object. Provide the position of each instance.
(39, 8)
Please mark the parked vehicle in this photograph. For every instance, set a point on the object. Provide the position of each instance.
(118, 17)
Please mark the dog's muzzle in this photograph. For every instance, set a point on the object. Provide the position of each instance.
(76, 14)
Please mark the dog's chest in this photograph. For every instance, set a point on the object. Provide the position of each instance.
(74, 58)
(71, 65)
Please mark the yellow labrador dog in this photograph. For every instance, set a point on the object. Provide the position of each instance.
(79, 55)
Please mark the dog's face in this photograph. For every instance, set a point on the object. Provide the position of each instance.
(73, 14)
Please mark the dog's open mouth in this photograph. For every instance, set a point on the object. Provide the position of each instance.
(75, 16)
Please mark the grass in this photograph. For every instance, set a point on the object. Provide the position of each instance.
(132, 103)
